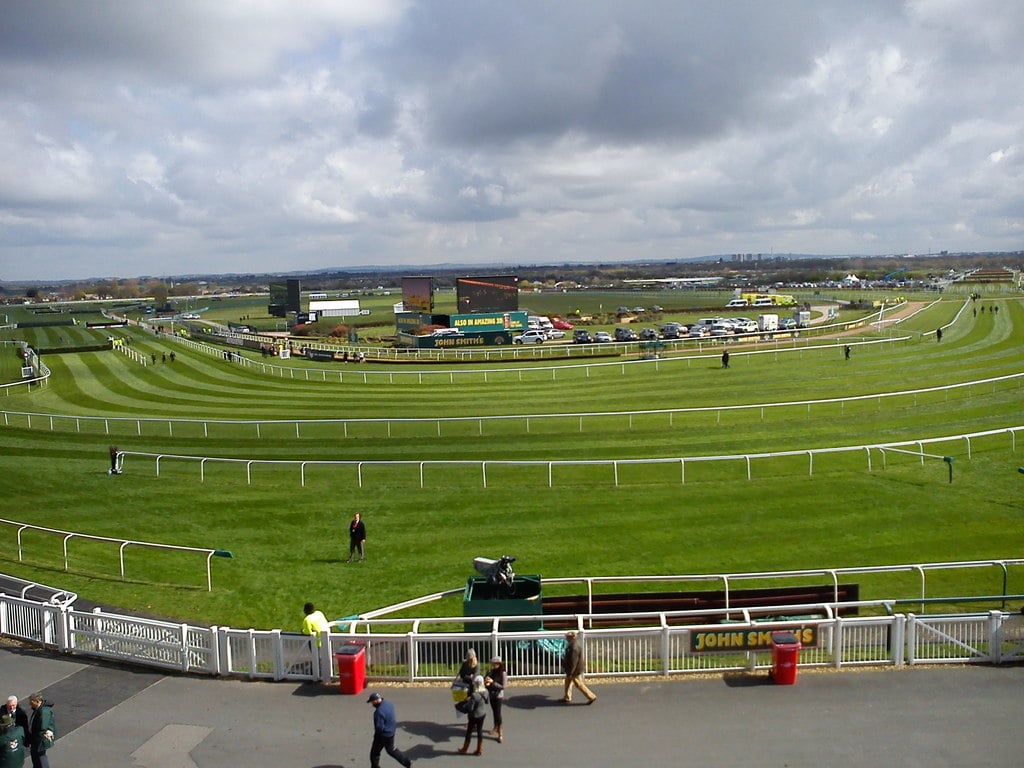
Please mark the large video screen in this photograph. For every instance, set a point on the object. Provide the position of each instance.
(495, 293)
(284, 298)
(418, 294)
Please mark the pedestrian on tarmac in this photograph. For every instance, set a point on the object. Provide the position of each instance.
(42, 730)
(574, 664)
(477, 713)
(495, 681)
(385, 723)
(12, 743)
(17, 713)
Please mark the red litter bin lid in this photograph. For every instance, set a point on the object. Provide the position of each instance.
(784, 638)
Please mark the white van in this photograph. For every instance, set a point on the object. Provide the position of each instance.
(737, 303)
(707, 322)
(763, 301)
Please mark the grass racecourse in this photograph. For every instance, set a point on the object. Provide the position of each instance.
(287, 528)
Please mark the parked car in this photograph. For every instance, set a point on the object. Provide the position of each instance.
(581, 336)
(601, 336)
(786, 324)
(698, 331)
(622, 310)
(556, 333)
(534, 336)
(446, 332)
(671, 331)
(745, 326)
(561, 325)
(638, 310)
(625, 334)
(649, 334)
(655, 308)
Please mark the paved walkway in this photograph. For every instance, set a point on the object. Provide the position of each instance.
(110, 716)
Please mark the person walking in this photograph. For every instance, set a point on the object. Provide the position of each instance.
(356, 538)
(574, 664)
(495, 681)
(12, 743)
(725, 359)
(385, 723)
(42, 730)
(17, 713)
(846, 351)
(477, 712)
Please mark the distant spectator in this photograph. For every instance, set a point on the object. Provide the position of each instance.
(356, 538)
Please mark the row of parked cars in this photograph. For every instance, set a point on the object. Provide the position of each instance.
(705, 327)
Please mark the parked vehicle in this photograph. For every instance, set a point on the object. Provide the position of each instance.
(735, 303)
(802, 318)
(655, 308)
(622, 310)
(649, 334)
(671, 331)
(555, 333)
(698, 331)
(582, 336)
(625, 334)
(787, 324)
(446, 332)
(638, 310)
(767, 323)
(602, 336)
(561, 325)
(533, 336)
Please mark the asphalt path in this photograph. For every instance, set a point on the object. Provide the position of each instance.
(112, 716)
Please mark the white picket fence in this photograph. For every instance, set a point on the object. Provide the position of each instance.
(431, 649)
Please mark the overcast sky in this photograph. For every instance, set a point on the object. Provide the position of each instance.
(178, 137)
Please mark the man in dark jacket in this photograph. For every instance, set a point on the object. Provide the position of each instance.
(384, 726)
(356, 538)
(574, 664)
(41, 730)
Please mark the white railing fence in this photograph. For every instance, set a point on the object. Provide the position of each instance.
(276, 429)
(662, 648)
(550, 472)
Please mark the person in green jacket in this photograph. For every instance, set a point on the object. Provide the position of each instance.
(42, 730)
(12, 743)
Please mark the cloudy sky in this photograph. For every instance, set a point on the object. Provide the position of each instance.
(188, 136)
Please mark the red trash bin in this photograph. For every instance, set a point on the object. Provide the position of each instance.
(785, 656)
(351, 660)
